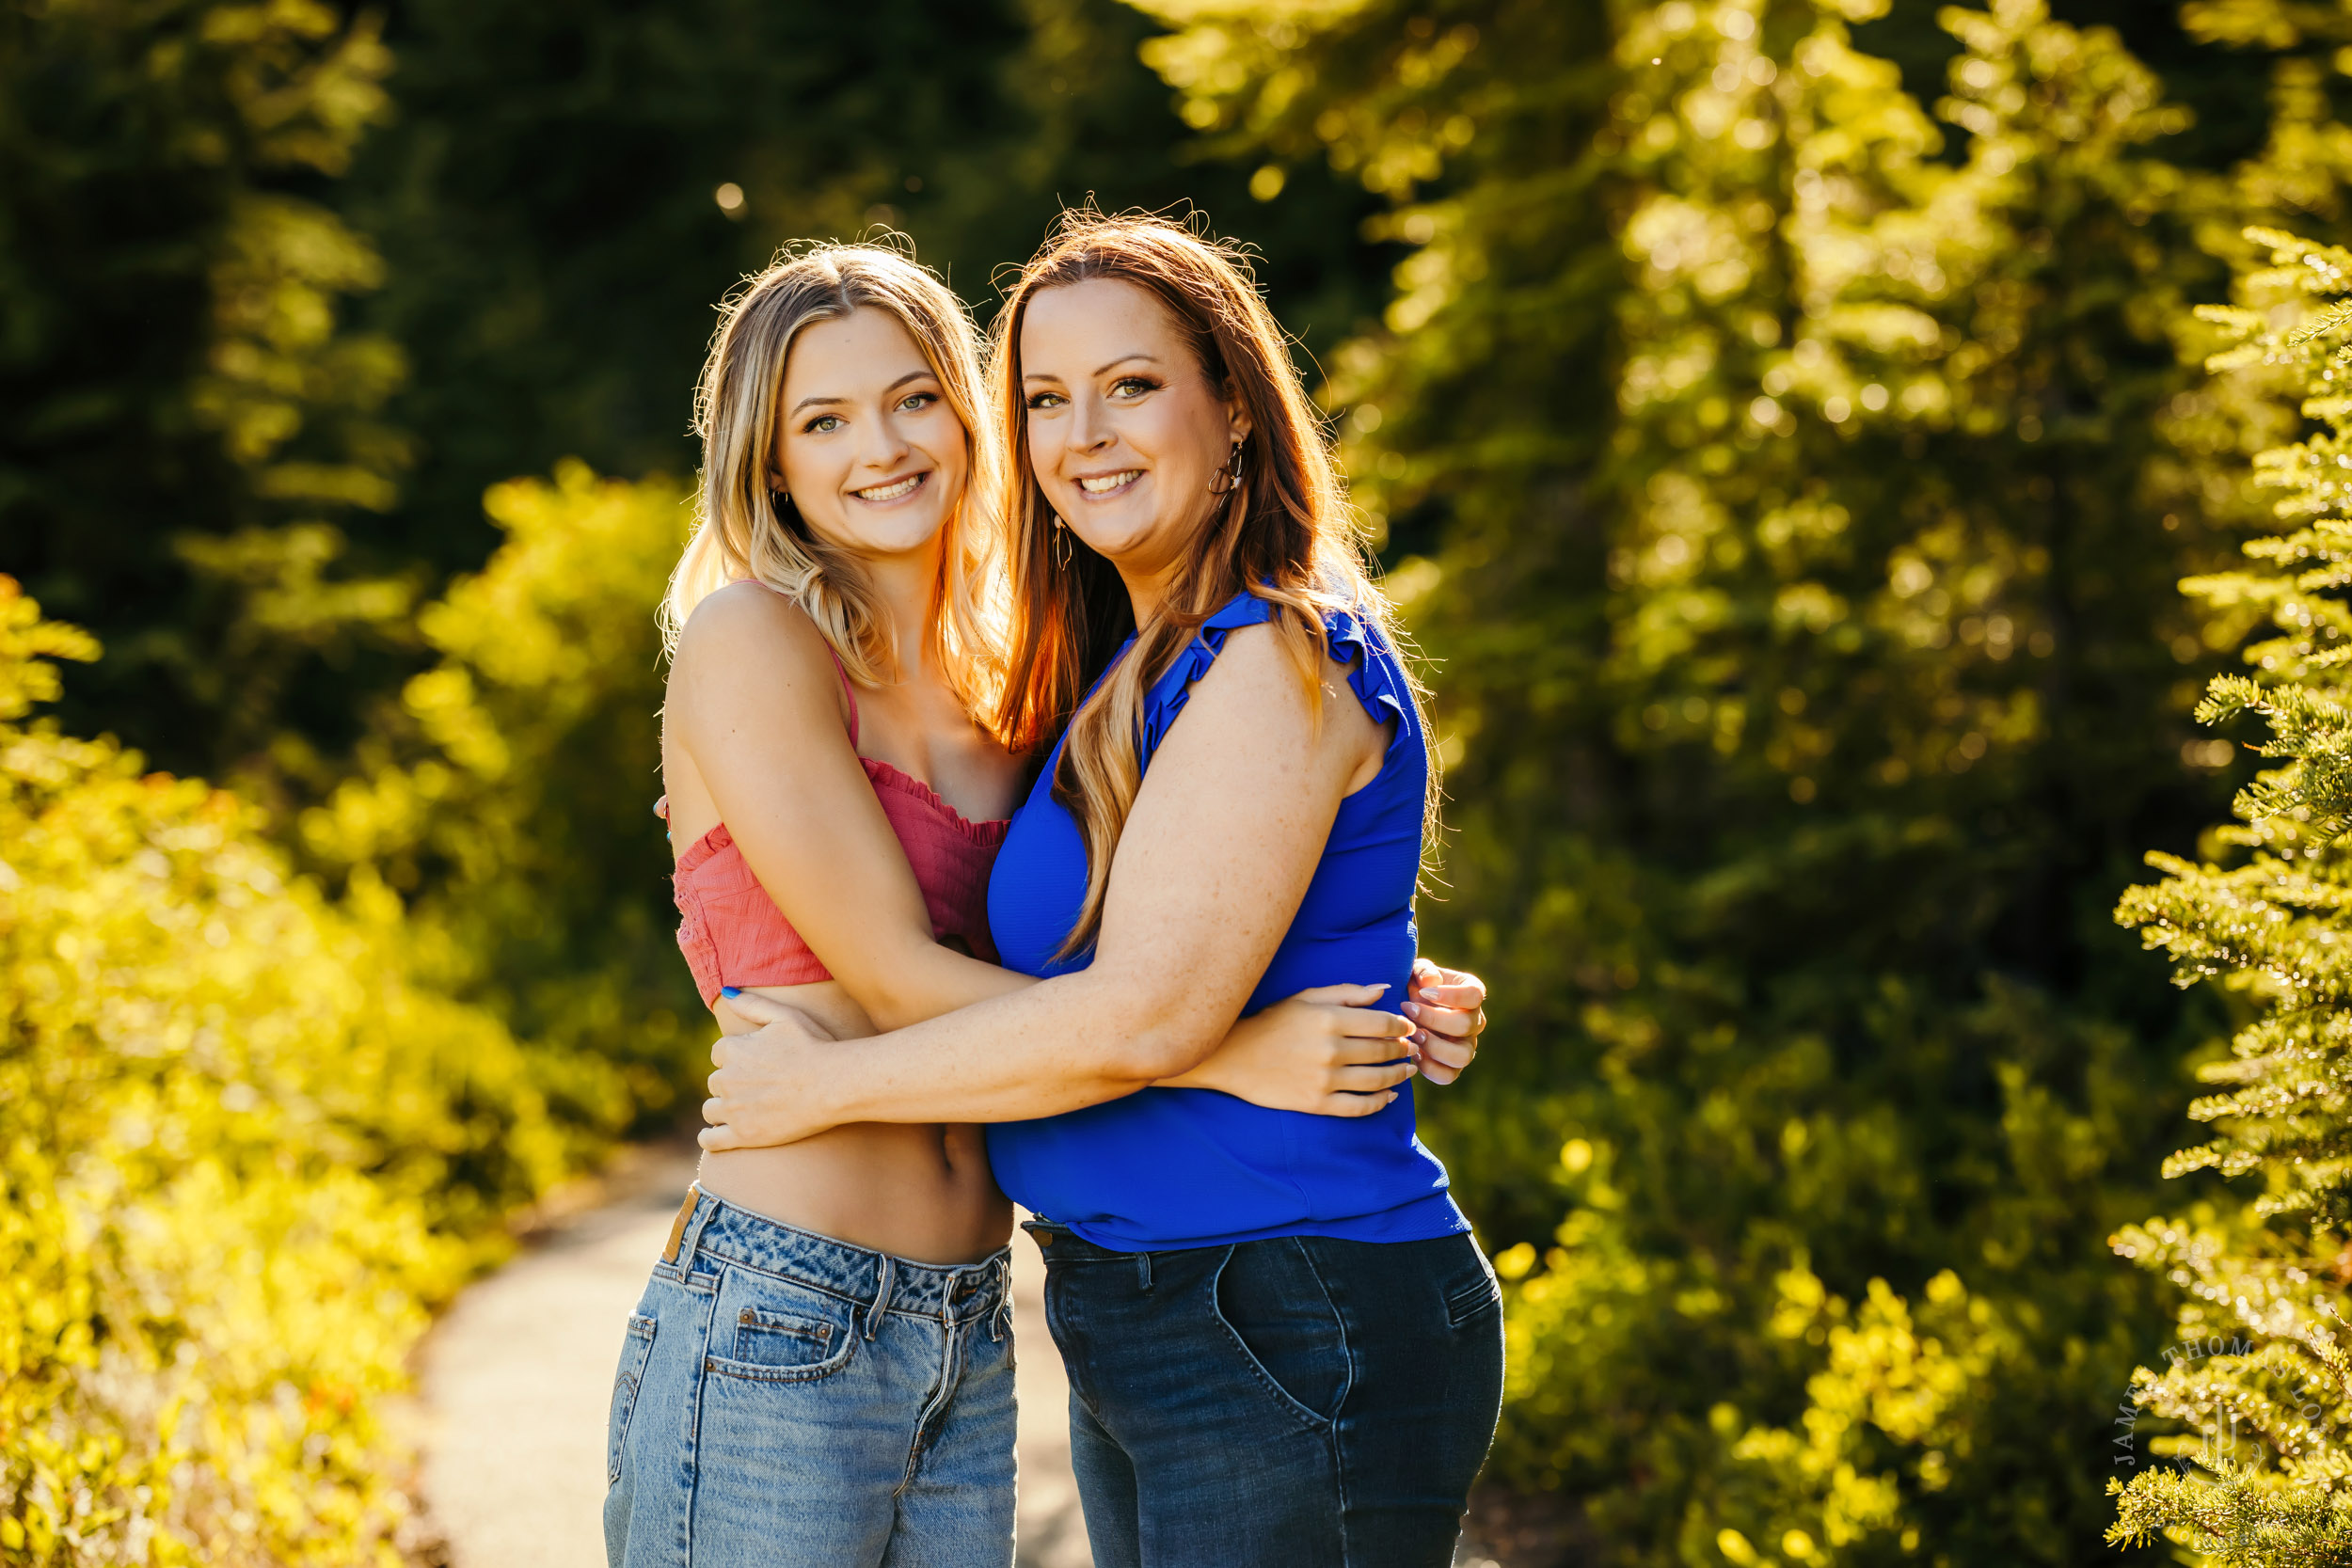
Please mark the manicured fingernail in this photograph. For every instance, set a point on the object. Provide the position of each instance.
(730, 991)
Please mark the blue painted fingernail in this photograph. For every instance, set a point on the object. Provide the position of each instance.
(730, 991)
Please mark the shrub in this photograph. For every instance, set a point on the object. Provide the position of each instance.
(507, 799)
(241, 1150)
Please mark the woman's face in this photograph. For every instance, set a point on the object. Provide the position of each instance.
(867, 448)
(1127, 435)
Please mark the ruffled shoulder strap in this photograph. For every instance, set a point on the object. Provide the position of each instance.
(1173, 689)
(1378, 677)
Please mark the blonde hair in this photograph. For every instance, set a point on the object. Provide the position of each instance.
(742, 531)
(1282, 530)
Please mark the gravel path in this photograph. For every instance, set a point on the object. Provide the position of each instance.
(518, 1377)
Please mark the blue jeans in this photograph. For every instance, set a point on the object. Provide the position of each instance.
(787, 1400)
(1299, 1402)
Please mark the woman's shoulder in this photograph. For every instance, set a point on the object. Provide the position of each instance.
(750, 618)
(746, 639)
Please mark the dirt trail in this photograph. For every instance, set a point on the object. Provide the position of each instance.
(518, 1377)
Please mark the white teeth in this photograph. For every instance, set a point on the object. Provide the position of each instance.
(1108, 481)
(891, 492)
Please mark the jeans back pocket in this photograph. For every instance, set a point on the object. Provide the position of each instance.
(635, 1350)
(1473, 1297)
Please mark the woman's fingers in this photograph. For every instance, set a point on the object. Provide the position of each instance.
(1370, 1078)
(1448, 1052)
(1344, 1104)
(1369, 1023)
(1454, 987)
(1450, 1021)
(761, 1009)
(1340, 996)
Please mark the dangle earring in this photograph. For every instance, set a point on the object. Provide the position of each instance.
(1228, 479)
(1061, 543)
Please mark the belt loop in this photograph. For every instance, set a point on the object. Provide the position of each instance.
(1143, 1273)
(686, 1233)
(882, 1298)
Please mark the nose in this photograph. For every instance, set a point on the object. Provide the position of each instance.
(884, 446)
(1088, 427)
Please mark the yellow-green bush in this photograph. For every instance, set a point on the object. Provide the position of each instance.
(240, 1149)
(507, 799)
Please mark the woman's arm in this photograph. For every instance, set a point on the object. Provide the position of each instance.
(754, 699)
(1223, 839)
(1321, 1051)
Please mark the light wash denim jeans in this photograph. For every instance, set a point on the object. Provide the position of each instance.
(784, 1398)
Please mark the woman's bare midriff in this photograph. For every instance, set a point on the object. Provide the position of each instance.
(920, 1192)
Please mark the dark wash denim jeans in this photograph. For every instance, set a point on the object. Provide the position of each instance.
(1289, 1404)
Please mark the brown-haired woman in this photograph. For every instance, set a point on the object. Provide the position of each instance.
(1283, 1346)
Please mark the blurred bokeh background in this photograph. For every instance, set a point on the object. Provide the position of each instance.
(1780, 420)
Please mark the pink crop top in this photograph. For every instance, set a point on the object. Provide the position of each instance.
(732, 934)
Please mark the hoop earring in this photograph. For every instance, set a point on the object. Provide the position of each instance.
(1229, 475)
(1061, 543)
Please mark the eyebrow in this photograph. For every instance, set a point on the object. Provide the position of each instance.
(1101, 369)
(924, 373)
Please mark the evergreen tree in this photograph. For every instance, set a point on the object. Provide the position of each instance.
(2261, 1373)
(1784, 477)
(188, 433)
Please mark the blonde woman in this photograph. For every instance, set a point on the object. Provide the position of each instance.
(819, 1370)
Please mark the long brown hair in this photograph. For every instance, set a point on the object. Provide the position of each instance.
(742, 531)
(1282, 530)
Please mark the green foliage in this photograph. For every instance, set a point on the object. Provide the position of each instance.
(2266, 1476)
(188, 431)
(240, 1149)
(546, 199)
(1787, 478)
(508, 798)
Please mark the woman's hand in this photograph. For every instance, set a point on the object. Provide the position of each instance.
(763, 1089)
(1451, 1008)
(1325, 1051)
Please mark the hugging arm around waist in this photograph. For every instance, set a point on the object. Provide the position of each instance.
(1218, 852)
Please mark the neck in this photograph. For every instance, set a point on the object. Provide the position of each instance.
(903, 586)
(1146, 590)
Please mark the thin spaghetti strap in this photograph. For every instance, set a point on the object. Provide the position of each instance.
(847, 691)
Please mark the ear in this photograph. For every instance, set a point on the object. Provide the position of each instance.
(1236, 418)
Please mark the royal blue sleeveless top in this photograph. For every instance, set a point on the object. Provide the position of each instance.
(1168, 1168)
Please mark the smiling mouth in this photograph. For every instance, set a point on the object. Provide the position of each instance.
(1105, 485)
(891, 491)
